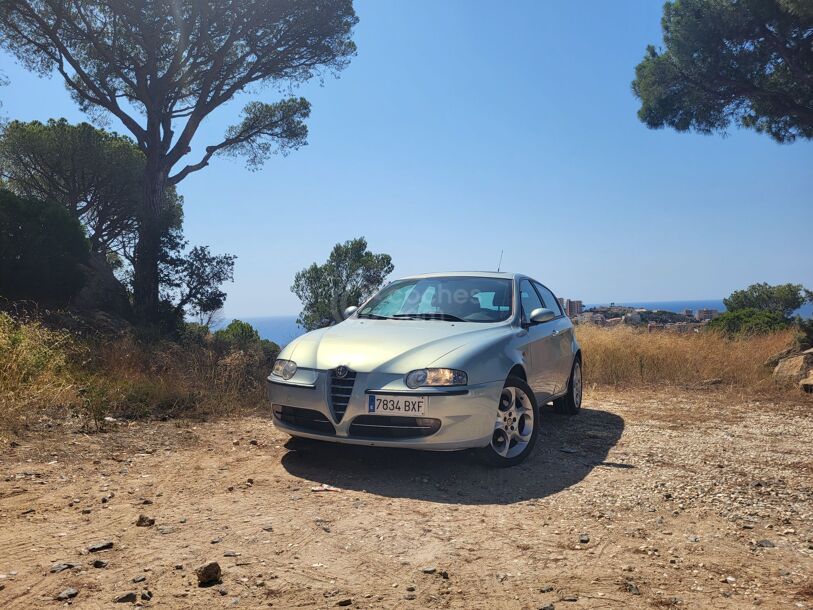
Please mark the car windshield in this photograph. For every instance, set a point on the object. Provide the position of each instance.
(451, 299)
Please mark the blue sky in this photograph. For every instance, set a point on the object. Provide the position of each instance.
(463, 128)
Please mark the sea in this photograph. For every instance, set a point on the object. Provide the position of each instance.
(284, 329)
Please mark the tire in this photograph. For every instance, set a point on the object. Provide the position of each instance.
(516, 425)
(571, 403)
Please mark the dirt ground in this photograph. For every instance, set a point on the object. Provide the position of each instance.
(693, 501)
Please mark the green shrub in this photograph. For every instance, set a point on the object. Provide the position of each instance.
(238, 335)
(41, 247)
(749, 321)
(242, 336)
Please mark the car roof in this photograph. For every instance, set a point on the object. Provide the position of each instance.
(494, 274)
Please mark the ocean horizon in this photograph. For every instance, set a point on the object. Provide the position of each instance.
(284, 329)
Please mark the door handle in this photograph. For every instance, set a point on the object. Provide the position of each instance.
(555, 332)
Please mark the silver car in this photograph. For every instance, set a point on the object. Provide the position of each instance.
(441, 361)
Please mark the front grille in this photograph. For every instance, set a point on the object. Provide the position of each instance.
(340, 390)
(393, 426)
(305, 419)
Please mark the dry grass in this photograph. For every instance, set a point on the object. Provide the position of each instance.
(629, 357)
(53, 375)
(34, 372)
(181, 378)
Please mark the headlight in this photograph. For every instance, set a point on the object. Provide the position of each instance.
(284, 368)
(436, 377)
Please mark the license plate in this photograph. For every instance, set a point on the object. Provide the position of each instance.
(416, 406)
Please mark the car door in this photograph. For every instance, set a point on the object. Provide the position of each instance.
(561, 335)
(543, 355)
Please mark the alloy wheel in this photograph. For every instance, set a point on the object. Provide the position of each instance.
(514, 425)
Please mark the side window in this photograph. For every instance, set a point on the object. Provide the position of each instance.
(528, 298)
(551, 302)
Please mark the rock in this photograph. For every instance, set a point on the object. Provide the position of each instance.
(806, 385)
(410, 588)
(444, 575)
(730, 580)
(99, 563)
(146, 595)
(794, 368)
(100, 546)
(139, 578)
(254, 442)
(268, 528)
(546, 588)
(774, 360)
(429, 570)
(584, 538)
(765, 544)
(570, 598)
(59, 567)
(179, 566)
(145, 521)
(208, 573)
(67, 594)
(547, 607)
(410, 596)
(101, 290)
(126, 598)
(631, 587)
(166, 529)
(344, 602)
(231, 554)
(216, 540)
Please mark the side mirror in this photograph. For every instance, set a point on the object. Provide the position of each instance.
(350, 311)
(541, 314)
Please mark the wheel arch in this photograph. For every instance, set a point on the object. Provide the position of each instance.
(518, 371)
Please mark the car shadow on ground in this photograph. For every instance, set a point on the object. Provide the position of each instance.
(567, 450)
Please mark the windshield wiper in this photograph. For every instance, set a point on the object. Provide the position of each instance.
(373, 316)
(446, 317)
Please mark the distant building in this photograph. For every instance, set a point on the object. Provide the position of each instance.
(573, 307)
(706, 314)
(688, 312)
(589, 317)
(634, 317)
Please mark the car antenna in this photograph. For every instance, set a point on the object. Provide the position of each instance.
(499, 265)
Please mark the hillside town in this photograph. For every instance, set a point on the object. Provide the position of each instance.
(655, 320)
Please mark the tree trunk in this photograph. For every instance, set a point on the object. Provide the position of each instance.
(148, 247)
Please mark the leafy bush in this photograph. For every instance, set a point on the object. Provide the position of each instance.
(239, 335)
(749, 321)
(41, 247)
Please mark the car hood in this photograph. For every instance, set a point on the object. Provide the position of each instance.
(386, 345)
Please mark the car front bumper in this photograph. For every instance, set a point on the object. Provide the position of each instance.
(465, 415)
